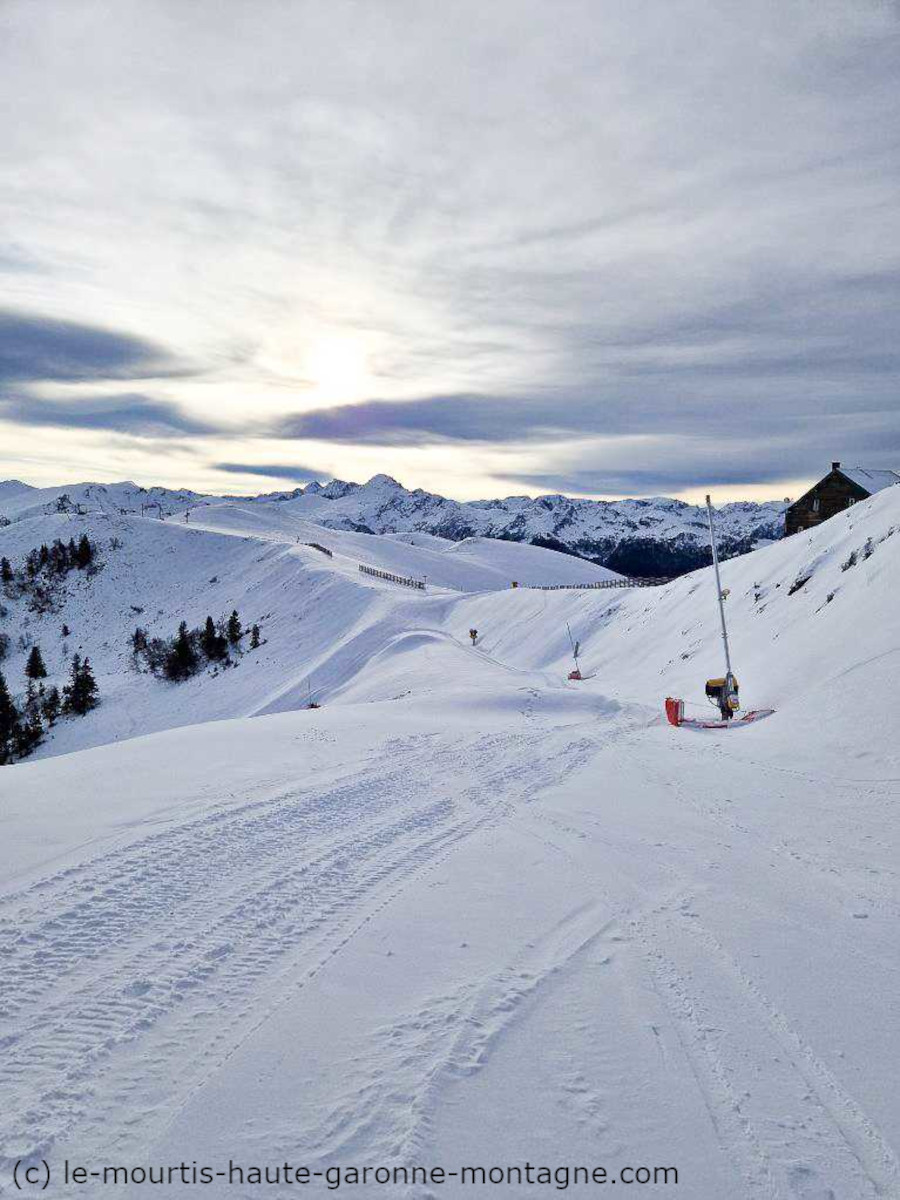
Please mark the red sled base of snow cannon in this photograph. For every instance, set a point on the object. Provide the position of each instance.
(675, 716)
(576, 674)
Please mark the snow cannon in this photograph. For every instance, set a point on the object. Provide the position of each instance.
(575, 673)
(675, 716)
(724, 694)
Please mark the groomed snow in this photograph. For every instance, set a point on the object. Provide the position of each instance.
(467, 912)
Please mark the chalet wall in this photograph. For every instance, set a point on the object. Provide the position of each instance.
(830, 496)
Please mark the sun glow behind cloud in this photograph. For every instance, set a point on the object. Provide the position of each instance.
(334, 366)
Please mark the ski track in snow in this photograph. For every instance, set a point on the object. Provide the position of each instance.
(143, 968)
(775, 1105)
(393, 1093)
(129, 978)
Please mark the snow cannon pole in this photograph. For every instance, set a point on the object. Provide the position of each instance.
(715, 558)
(575, 645)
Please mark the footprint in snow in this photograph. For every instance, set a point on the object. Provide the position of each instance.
(806, 1184)
(137, 987)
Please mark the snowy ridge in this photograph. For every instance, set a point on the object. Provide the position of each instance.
(659, 536)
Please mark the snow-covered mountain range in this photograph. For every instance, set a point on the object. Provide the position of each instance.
(658, 536)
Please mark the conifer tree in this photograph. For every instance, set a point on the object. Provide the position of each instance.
(213, 644)
(85, 552)
(34, 667)
(181, 661)
(9, 723)
(51, 706)
(69, 689)
(208, 639)
(88, 691)
(6, 571)
(30, 732)
(81, 693)
(234, 631)
(254, 638)
(59, 558)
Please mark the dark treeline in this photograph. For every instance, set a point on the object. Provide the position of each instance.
(45, 567)
(23, 723)
(176, 658)
(25, 718)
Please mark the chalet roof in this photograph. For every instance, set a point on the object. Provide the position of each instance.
(871, 481)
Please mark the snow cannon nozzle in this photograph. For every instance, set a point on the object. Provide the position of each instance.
(723, 693)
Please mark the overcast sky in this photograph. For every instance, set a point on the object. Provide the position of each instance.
(607, 247)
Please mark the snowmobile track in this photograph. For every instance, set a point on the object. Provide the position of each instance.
(223, 913)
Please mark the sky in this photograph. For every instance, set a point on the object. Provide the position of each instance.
(600, 247)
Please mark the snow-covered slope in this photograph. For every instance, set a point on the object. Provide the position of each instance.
(812, 625)
(322, 620)
(319, 616)
(468, 913)
(659, 536)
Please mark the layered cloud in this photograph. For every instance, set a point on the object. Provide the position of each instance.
(35, 349)
(130, 413)
(290, 471)
(37, 353)
(599, 245)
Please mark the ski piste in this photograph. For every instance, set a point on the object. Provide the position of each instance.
(724, 691)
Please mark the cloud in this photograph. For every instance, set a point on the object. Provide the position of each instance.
(418, 422)
(643, 221)
(37, 349)
(637, 482)
(271, 471)
(628, 410)
(678, 462)
(14, 259)
(133, 414)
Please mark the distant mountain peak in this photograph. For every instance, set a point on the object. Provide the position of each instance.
(382, 480)
(13, 487)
